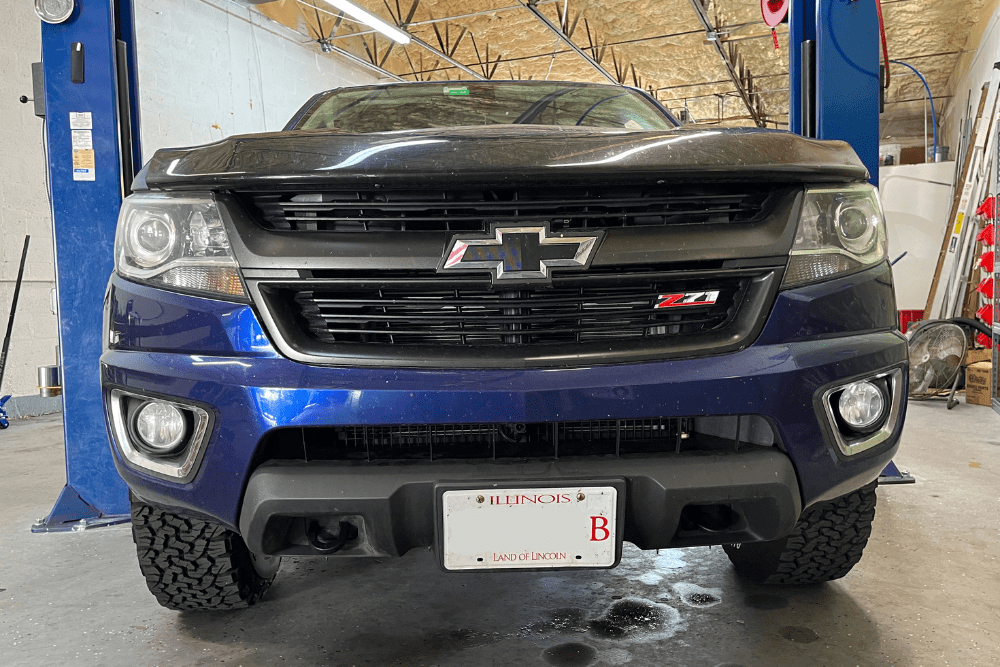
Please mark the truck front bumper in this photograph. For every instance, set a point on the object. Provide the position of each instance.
(216, 355)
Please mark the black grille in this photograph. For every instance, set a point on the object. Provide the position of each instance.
(430, 442)
(469, 312)
(472, 210)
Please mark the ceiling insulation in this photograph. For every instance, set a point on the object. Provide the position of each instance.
(659, 45)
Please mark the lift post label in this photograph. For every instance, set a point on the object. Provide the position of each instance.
(81, 125)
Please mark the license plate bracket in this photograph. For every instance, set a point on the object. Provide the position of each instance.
(530, 526)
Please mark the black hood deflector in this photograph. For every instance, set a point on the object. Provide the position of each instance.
(501, 155)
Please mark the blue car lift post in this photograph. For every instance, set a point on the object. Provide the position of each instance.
(835, 88)
(834, 95)
(89, 67)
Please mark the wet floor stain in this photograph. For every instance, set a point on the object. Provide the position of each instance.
(798, 634)
(650, 578)
(694, 595)
(626, 618)
(614, 656)
(571, 654)
(700, 599)
(564, 620)
(765, 601)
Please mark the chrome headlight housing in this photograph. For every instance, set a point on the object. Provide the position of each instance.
(177, 242)
(841, 231)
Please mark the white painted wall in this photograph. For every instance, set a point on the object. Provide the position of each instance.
(209, 69)
(917, 200)
(24, 207)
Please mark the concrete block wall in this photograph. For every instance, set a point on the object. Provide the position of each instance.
(209, 69)
(24, 209)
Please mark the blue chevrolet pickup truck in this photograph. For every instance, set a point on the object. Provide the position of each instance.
(518, 323)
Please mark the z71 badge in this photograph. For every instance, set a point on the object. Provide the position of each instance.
(686, 299)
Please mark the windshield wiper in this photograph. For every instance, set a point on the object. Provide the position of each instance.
(597, 104)
(532, 112)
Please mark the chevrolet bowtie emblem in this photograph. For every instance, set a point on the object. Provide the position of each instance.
(524, 253)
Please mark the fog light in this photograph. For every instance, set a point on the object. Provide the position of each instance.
(161, 426)
(861, 405)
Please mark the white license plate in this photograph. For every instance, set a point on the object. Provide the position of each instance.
(530, 528)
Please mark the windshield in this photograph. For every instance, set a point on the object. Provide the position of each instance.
(418, 106)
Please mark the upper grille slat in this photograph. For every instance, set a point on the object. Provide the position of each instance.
(466, 210)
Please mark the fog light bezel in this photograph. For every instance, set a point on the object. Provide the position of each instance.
(856, 441)
(178, 465)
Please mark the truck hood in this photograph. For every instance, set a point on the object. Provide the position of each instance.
(500, 154)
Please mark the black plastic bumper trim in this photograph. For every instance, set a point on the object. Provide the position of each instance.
(397, 503)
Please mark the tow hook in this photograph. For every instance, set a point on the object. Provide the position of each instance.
(324, 541)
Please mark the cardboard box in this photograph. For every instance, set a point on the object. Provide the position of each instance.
(975, 356)
(913, 155)
(977, 383)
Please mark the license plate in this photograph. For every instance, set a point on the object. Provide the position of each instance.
(530, 528)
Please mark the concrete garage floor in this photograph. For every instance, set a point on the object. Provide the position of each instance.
(927, 592)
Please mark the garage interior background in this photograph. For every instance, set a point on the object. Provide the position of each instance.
(279, 53)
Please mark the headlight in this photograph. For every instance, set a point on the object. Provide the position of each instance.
(842, 230)
(178, 242)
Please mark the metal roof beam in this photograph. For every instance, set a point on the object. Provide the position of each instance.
(557, 31)
(330, 48)
(443, 56)
(713, 36)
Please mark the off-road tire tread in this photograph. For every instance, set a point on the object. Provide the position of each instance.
(827, 541)
(193, 564)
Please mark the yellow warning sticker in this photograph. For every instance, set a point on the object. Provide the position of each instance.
(83, 159)
(958, 223)
(84, 165)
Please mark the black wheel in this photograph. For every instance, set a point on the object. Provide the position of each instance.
(193, 564)
(825, 544)
(3, 424)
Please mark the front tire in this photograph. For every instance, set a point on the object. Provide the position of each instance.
(193, 564)
(825, 544)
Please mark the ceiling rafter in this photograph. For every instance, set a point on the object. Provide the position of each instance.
(740, 75)
(532, 6)
(488, 66)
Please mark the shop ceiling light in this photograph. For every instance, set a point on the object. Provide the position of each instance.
(369, 19)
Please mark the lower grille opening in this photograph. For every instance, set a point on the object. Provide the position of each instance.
(515, 440)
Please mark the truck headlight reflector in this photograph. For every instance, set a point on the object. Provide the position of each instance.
(861, 405)
(842, 230)
(150, 238)
(176, 241)
(161, 426)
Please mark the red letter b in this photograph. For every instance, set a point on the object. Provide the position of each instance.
(599, 523)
